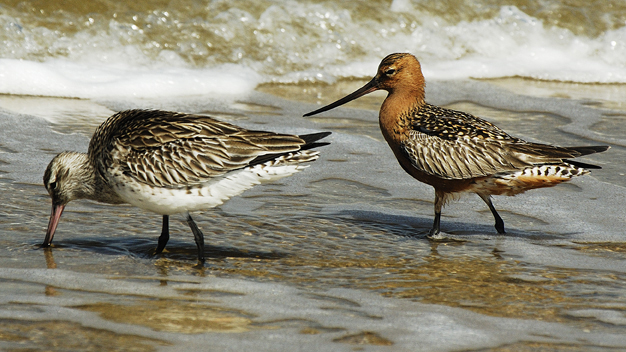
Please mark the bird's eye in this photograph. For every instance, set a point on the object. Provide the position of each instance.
(53, 185)
(390, 71)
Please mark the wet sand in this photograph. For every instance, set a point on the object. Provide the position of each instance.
(332, 258)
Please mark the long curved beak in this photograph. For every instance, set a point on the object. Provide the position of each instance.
(57, 210)
(366, 89)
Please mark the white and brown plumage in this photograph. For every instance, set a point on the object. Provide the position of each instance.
(456, 152)
(170, 163)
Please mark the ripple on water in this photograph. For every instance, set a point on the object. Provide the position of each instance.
(59, 335)
(185, 317)
(306, 248)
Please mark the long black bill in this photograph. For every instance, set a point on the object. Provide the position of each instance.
(366, 89)
(57, 210)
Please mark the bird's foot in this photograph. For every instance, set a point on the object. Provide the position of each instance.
(441, 237)
(200, 264)
(436, 235)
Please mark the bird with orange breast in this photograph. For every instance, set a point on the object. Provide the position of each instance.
(456, 152)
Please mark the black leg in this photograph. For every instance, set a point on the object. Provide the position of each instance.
(436, 226)
(440, 200)
(198, 236)
(165, 234)
(499, 222)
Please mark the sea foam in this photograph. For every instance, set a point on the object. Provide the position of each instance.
(510, 44)
(61, 77)
(292, 43)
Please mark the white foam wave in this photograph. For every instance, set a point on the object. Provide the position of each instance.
(515, 44)
(296, 42)
(511, 44)
(64, 78)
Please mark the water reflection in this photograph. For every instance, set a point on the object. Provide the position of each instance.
(59, 335)
(50, 263)
(173, 316)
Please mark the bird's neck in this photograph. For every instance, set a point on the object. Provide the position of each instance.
(80, 175)
(88, 183)
(396, 112)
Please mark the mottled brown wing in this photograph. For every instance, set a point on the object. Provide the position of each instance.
(462, 158)
(456, 145)
(166, 149)
(451, 124)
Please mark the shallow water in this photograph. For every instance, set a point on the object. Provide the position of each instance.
(332, 258)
